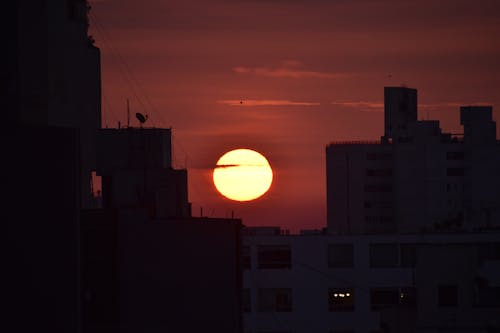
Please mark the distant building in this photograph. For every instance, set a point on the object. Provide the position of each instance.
(416, 177)
(370, 283)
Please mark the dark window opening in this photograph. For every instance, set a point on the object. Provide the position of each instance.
(340, 255)
(379, 156)
(408, 255)
(384, 255)
(378, 188)
(246, 302)
(384, 297)
(379, 172)
(455, 172)
(378, 219)
(246, 259)
(447, 295)
(275, 300)
(489, 251)
(455, 155)
(486, 296)
(274, 256)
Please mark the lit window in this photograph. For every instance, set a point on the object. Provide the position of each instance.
(341, 299)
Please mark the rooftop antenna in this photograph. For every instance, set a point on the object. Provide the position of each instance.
(128, 113)
(142, 118)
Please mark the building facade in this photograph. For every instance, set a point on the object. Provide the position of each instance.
(430, 282)
(416, 178)
(147, 264)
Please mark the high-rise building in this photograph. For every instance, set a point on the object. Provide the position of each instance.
(415, 178)
(53, 74)
(51, 105)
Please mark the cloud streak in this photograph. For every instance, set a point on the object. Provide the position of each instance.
(362, 105)
(366, 106)
(288, 69)
(265, 102)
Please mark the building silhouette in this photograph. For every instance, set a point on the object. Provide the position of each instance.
(147, 264)
(416, 177)
(51, 103)
(412, 242)
(134, 260)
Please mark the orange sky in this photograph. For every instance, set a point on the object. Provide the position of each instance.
(308, 71)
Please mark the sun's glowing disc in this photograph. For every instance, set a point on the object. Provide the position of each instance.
(242, 175)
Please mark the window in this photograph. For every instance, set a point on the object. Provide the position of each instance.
(393, 297)
(378, 204)
(384, 255)
(408, 255)
(384, 297)
(275, 300)
(455, 172)
(378, 219)
(489, 251)
(455, 155)
(378, 188)
(408, 296)
(246, 259)
(340, 255)
(379, 172)
(486, 296)
(340, 299)
(246, 303)
(274, 256)
(378, 156)
(447, 295)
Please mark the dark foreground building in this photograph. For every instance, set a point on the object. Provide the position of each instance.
(147, 265)
(140, 263)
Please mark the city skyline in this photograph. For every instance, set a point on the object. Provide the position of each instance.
(411, 241)
(308, 73)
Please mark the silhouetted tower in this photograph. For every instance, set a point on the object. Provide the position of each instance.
(479, 127)
(51, 89)
(53, 73)
(400, 110)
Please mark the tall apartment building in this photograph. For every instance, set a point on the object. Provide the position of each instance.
(416, 178)
(51, 111)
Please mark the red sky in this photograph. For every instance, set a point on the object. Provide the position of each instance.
(308, 71)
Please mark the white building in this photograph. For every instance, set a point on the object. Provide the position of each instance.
(416, 178)
(439, 282)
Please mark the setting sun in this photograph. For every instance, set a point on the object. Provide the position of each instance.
(242, 175)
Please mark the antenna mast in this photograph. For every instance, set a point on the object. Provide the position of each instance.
(128, 113)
